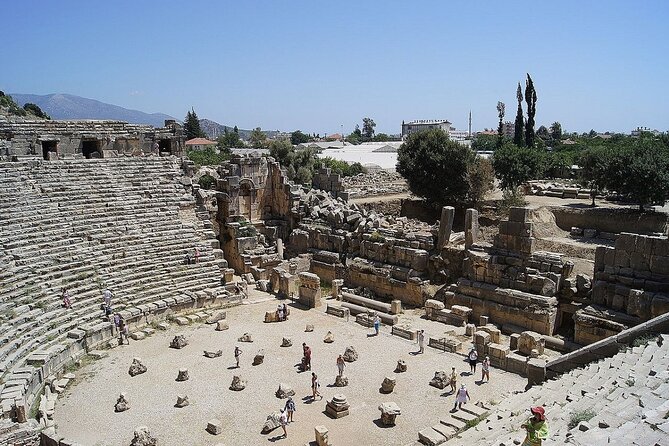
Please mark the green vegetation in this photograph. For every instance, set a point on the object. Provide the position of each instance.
(518, 136)
(35, 110)
(368, 126)
(297, 137)
(192, 127)
(515, 165)
(258, 138)
(207, 157)
(206, 181)
(531, 101)
(582, 415)
(229, 140)
(34, 410)
(376, 237)
(474, 422)
(441, 170)
(643, 340)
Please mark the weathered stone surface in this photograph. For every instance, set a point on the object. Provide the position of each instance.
(136, 368)
(238, 383)
(212, 354)
(321, 433)
(350, 355)
(329, 338)
(440, 380)
(182, 401)
(216, 317)
(143, 437)
(272, 422)
(182, 375)
(222, 325)
(341, 381)
(246, 337)
(284, 391)
(529, 341)
(389, 412)
(179, 341)
(309, 328)
(259, 357)
(215, 427)
(286, 342)
(401, 366)
(337, 407)
(388, 384)
(122, 403)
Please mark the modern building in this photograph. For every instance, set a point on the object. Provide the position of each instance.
(200, 144)
(424, 124)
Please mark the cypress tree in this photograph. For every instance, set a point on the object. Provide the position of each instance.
(192, 127)
(531, 100)
(520, 122)
(500, 128)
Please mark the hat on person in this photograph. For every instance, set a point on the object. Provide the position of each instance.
(463, 386)
(538, 411)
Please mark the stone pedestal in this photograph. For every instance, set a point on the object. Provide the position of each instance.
(215, 427)
(536, 371)
(238, 383)
(336, 288)
(389, 412)
(122, 403)
(136, 368)
(182, 375)
(388, 384)
(309, 291)
(337, 407)
(321, 433)
(401, 366)
(341, 381)
(350, 355)
(182, 401)
(440, 380)
(179, 341)
(395, 306)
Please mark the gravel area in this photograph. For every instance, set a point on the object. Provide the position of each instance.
(85, 412)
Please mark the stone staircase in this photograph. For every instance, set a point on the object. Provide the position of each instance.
(618, 400)
(87, 225)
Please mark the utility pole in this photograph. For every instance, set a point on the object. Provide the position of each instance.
(470, 124)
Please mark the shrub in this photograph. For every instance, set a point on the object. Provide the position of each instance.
(206, 181)
(581, 415)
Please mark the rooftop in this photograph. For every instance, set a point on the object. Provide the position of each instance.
(200, 142)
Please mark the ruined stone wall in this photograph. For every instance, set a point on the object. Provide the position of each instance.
(388, 281)
(631, 285)
(330, 182)
(611, 220)
(112, 138)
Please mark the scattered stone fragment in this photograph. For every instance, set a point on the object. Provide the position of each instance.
(163, 326)
(286, 342)
(216, 317)
(341, 381)
(136, 368)
(309, 328)
(245, 338)
(179, 341)
(401, 366)
(259, 357)
(212, 354)
(182, 375)
(237, 383)
(272, 422)
(322, 436)
(182, 401)
(222, 325)
(388, 384)
(329, 338)
(337, 407)
(143, 437)
(284, 391)
(214, 427)
(350, 354)
(440, 380)
(389, 412)
(122, 403)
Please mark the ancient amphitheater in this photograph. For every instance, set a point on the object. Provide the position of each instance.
(583, 337)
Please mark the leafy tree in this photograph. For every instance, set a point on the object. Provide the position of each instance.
(556, 131)
(368, 125)
(500, 127)
(515, 165)
(192, 127)
(480, 176)
(297, 137)
(341, 167)
(542, 132)
(355, 136)
(281, 151)
(518, 137)
(228, 141)
(207, 157)
(35, 110)
(531, 100)
(381, 137)
(483, 142)
(557, 164)
(6, 101)
(236, 130)
(257, 138)
(435, 167)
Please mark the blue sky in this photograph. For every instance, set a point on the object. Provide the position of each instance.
(317, 65)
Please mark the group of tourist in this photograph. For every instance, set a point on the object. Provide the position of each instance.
(282, 313)
(195, 259)
(472, 358)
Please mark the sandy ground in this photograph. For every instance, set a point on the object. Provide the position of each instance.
(85, 412)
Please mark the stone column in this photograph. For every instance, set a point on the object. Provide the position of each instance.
(279, 248)
(336, 288)
(445, 226)
(471, 227)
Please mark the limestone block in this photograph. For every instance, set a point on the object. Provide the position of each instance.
(309, 328)
(461, 311)
(182, 375)
(519, 214)
(143, 437)
(321, 433)
(536, 371)
(259, 358)
(337, 407)
(213, 354)
(284, 391)
(136, 368)
(222, 325)
(341, 381)
(440, 380)
(215, 427)
(350, 354)
(513, 341)
(182, 401)
(401, 366)
(246, 337)
(238, 383)
(217, 316)
(483, 320)
(122, 403)
(470, 329)
(272, 422)
(389, 412)
(529, 341)
(179, 341)
(388, 384)
(471, 227)
(286, 342)
(138, 335)
(445, 226)
(481, 338)
(329, 338)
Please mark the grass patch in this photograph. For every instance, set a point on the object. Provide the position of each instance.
(376, 237)
(35, 409)
(326, 288)
(582, 415)
(643, 340)
(474, 422)
(511, 199)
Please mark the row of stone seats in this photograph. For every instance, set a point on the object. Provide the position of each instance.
(617, 400)
(86, 225)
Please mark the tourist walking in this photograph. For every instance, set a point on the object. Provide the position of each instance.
(290, 408)
(377, 325)
(279, 312)
(485, 369)
(314, 386)
(67, 302)
(238, 353)
(421, 341)
(283, 419)
(473, 358)
(307, 356)
(536, 427)
(340, 365)
(461, 397)
(122, 331)
(454, 380)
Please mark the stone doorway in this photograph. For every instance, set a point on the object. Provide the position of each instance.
(90, 148)
(49, 148)
(165, 145)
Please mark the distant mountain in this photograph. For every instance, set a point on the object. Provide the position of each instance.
(214, 130)
(67, 106)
